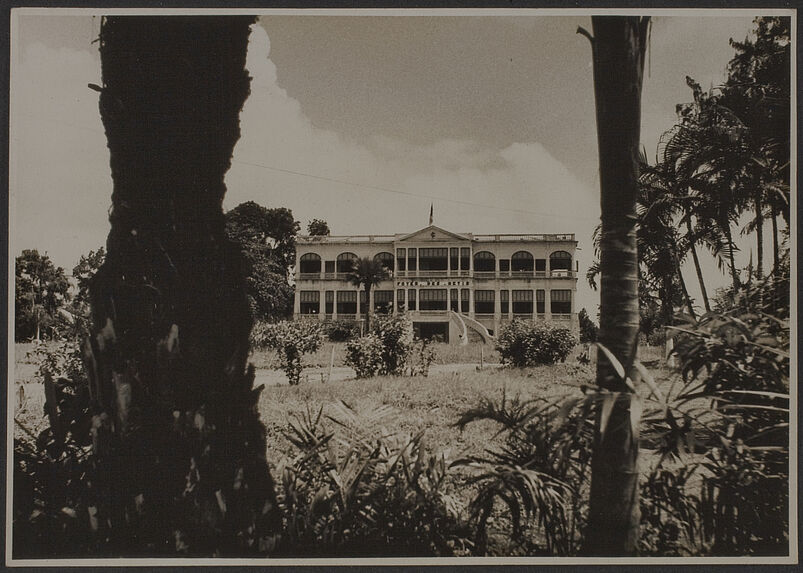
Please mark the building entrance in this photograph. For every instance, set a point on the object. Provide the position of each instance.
(434, 331)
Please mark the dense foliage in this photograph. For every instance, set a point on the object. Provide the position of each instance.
(525, 343)
(389, 348)
(291, 340)
(41, 291)
(366, 491)
(318, 228)
(588, 328)
(267, 240)
(342, 330)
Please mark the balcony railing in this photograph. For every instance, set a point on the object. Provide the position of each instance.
(562, 274)
(523, 315)
(309, 276)
(484, 274)
(484, 316)
(562, 317)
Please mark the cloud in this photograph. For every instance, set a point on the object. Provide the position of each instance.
(385, 185)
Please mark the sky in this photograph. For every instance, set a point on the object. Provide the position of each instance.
(365, 121)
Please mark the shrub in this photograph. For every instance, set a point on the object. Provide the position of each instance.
(291, 340)
(342, 330)
(395, 331)
(365, 492)
(524, 343)
(421, 358)
(365, 355)
(390, 349)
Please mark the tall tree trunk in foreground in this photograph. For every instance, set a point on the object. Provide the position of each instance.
(618, 45)
(179, 449)
(697, 268)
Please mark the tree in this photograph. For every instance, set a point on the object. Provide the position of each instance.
(367, 272)
(83, 272)
(618, 46)
(178, 461)
(588, 329)
(318, 228)
(41, 289)
(267, 241)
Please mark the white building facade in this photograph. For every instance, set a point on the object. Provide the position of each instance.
(453, 285)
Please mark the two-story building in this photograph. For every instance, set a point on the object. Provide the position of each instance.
(450, 283)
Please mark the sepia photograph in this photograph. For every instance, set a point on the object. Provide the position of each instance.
(373, 286)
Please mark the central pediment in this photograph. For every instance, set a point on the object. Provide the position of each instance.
(433, 234)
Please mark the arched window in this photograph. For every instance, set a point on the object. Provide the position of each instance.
(484, 261)
(522, 261)
(560, 261)
(345, 262)
(386, 259)
(309, 263)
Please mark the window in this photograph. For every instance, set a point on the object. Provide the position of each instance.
(411, 299)
(504, 302)
(401, 257)
(433, 298)
(484, 262)
(309, 301)
(433, 259)
(329, 267)
(330, 301)
(522, 302)
(540, 265)
(504, 265)
(454, 299)
(539, 302)
(309, 263)
(560, 261)
(411, 259)
(386, 259)
(484, 301)
(345, 262)
(400, 300)
(522, 261)
(347, 302)
(383, 301)
(464, 300)
(465, 258)
(561, 301)
(454, 258)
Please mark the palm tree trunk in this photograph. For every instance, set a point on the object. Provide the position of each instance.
(367, 307)
(731, 248)
(618, 48)
(775, 246)
(759, 234)
(697, 268)
(684, 290)
(179, 449)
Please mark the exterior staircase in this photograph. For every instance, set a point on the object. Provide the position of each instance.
(461, 325)
(487, 338)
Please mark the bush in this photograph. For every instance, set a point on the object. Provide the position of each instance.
(342, 330)
(389, 349)
(365, 492)
(365, 355)
(291, 340)
(523, 343)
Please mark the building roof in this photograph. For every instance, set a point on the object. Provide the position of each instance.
(496, 238)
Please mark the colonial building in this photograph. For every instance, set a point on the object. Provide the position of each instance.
(454, 285)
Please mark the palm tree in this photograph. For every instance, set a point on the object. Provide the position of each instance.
(618, 47)
(367, 272)
(179, 451)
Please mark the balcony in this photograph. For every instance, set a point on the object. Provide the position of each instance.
(562, 317)
(484, 274)
(309, 276)
(562, 274)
